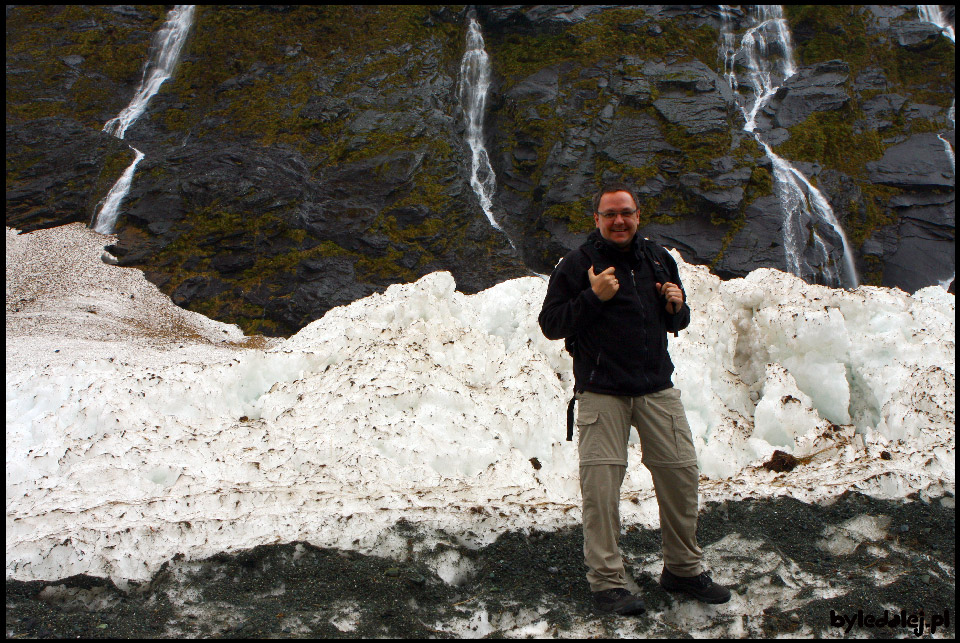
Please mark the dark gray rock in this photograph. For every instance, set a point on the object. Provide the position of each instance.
(919, 250)
(918, 161)
(698, 115)
(728, 200)
(776, 136)
(530, 19)
(60, 173)
(692, 95)
(634, 141)
(758, 243)
(880, 111)
(634, 91)
(917, 254)
(694, 237)
(815, 89)
(198, 288)
(914, 111)
(542, 86)
(680, 78)
(888, 11)
(322, 283)
(360, 179)
(916, 36)
(870, 78)
(941, 202)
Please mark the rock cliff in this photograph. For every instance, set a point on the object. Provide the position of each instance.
(303, 157)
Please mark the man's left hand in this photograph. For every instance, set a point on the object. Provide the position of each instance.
(673, 295)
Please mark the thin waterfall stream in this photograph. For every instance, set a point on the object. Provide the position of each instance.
(766, 54)
(933, 14)
(474, 86)
(165, 53)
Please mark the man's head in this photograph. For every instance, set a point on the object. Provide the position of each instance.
(615, 213)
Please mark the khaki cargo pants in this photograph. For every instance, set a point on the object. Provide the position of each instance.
(666, 445)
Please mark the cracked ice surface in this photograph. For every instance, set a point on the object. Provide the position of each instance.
(137, 431)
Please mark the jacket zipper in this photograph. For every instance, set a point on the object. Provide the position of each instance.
(643, 330)
(594, 371)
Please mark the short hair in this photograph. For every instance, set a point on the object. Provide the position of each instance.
(607, 188)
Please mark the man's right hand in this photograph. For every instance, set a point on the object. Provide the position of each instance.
(604, 285)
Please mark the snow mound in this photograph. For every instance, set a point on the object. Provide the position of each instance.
(58, 284)
(424, 404)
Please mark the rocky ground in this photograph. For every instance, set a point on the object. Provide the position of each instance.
(794, 568)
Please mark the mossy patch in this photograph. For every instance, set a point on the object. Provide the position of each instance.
(831, 139)
(111, 54)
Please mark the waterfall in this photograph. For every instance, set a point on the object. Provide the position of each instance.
(111, 204)
(164, 54)
(766, 53)
(473, 86)
(166, 46)
(932, 13)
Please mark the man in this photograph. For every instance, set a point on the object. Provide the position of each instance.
(613, 300)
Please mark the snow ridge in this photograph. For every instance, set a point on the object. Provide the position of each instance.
(126, 448)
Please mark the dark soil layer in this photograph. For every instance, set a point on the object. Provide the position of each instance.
(297, 590)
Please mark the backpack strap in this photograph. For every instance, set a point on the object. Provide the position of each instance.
(570, 417)
(659, 270)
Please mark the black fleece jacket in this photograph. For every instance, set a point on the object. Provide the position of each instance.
(619, 346)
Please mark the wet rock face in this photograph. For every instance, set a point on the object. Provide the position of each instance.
(918, 162)
(852, 114)
(816, 89)
(286, 174)
(59, 168)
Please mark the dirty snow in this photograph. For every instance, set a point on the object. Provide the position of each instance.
(137, 431)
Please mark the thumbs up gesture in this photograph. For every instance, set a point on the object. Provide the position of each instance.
(604, 285)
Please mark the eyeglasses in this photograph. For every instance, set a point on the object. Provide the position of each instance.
(610, 216)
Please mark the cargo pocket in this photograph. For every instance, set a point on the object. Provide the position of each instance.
(683, 439)
(588, 423)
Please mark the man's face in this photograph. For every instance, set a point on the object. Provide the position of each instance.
(618, 230)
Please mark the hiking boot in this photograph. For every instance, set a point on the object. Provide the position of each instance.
(618, 601)
(700, 587)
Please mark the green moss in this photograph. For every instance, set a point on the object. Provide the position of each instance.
(829, 138)
(698, 151)
(760, 184)
(877, 212)
(575, 215)
(296, 235)
(347, 45)
(837, 32)
(735, 227)
(636, 175)
(840, 32)
(40, 37)
(600, 37)
(386, 267)
(327, 248)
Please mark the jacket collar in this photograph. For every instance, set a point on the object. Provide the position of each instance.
(596, 240)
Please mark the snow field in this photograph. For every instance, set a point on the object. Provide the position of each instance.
(425, 404)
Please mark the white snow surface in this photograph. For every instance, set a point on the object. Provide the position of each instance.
(137, 431)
